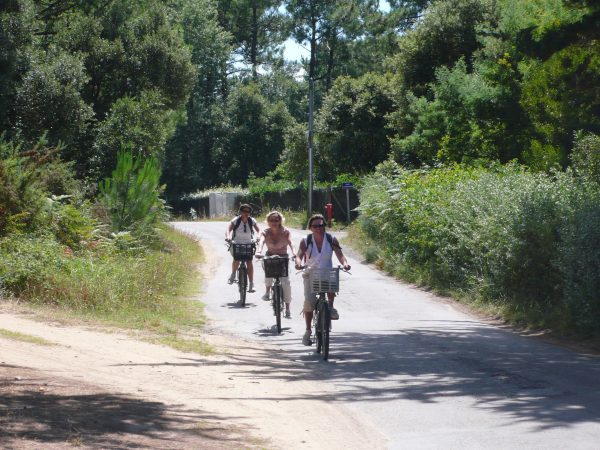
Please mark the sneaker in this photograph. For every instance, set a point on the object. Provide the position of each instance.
(306, 338)
(333, 314)
(231, 279)
(265, 297)
(288, 315)
(251, 287)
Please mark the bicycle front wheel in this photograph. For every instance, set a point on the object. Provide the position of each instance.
(324, 326)
(242, 283)
(277, 299)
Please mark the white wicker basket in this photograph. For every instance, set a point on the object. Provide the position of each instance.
(324, 280)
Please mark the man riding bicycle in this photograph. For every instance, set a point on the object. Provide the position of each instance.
(316, 251)
(241, 231)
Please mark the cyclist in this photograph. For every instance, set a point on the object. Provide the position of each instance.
(277, 238)
(316, 251)
(241, 231)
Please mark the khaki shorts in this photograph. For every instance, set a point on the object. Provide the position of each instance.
(310, 298)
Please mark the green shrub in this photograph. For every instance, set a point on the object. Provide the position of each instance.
(27, 259)
(527, 241)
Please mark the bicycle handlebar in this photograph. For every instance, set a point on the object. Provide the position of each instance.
(339, 267)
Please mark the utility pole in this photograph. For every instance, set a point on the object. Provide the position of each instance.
(311, 107)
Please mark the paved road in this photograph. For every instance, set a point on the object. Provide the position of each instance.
(427, 375)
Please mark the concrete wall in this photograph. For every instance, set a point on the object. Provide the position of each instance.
(222, 204)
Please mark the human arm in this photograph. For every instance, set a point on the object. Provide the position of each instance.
(300, 255)
(340, 255)
(261, 244)
(228, 231)
(290, 243)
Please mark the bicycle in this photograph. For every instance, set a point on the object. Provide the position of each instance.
(323, 281)
(242, 253)
(276, 267)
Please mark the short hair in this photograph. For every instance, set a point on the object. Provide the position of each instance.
(315, 217)
(245, 206)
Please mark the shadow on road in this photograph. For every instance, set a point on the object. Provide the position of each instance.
(518, 377)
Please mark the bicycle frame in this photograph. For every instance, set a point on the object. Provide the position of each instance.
(277, 299)
(242, 271)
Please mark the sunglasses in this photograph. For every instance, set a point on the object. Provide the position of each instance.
(320, 225)
(246, 210)
(274, 220)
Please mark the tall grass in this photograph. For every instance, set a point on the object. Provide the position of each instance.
(528, 243)
(150, 291)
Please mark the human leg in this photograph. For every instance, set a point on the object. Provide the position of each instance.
(333, 312)
(287, 295)
(250, 276)
(268, 284)
(234, 267)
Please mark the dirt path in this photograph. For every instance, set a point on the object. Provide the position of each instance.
(98, 389)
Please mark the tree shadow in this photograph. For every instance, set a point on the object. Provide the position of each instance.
(514, 376)
(106, 420)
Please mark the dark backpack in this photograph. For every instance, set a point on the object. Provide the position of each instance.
(238, 222)
(309, 241)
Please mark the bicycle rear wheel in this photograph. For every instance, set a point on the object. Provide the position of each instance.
(277, 297)
(242, 283)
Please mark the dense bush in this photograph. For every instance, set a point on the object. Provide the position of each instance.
(502, 234)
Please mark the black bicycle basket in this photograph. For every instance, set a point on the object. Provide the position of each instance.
(276, 267)
(243, 252)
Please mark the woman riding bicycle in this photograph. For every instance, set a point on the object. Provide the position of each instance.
(241, 231)
(316, 251)
(277, 239)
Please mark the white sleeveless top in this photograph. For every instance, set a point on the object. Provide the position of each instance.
(319, 259)
(243, 235)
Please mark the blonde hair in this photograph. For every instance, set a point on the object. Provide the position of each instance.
(277, 214)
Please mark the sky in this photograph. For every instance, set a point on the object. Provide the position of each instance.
(293, 51)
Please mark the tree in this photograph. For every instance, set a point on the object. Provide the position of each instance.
(143, 124)
(447, 31)
(258, 29)
(190, 164)
(255, 135)
(351, 126)
(131, 194)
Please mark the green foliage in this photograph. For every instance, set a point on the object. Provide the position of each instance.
(134, 291)
(351, 133)
(586, 156)
(131, 195)
(256, 133)
(269, 183)
(506, 236)
(144, 125)
(467, 120)
(49, 98)
(560, 94)
(446, 33)
(542, 157)
(27, 259)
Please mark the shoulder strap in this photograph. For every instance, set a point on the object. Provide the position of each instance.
(309, 241)
(238, 221)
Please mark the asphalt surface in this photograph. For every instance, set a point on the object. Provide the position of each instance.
(427, 375)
